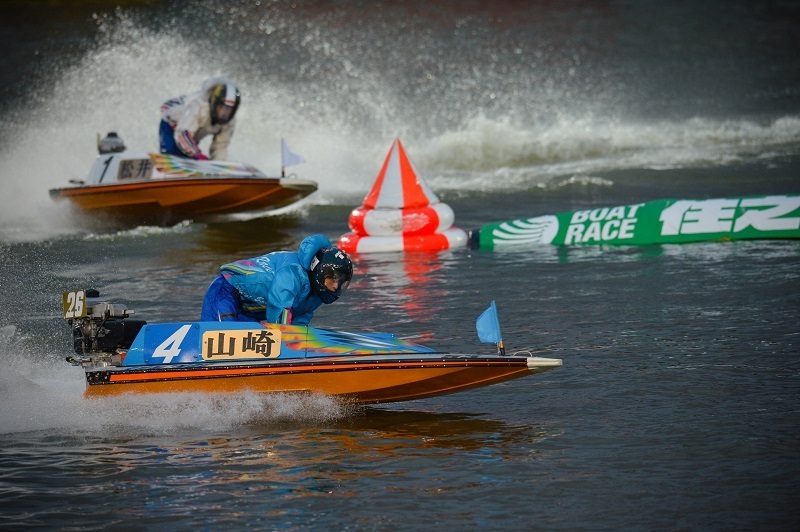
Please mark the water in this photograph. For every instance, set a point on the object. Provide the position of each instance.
(677, 405)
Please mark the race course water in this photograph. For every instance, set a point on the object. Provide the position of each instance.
(678, 402)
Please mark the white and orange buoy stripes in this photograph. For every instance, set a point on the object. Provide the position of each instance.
(401, 213)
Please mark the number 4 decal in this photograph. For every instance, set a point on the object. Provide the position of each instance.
(171, 347)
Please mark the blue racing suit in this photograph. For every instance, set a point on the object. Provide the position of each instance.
(274, 287)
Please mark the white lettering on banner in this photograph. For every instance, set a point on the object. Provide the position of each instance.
(767, 219)
(610, 230)
(633, 209)
(598, 215)
(605, 224)
(617, 213)
(592, 232)
(719, 215)
(709, 217)
(628, 225)
(578, 217)
(600, 231)
(573, 235)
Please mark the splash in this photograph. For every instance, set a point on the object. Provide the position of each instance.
(43, 392)
(480, 100)
(498, 154)
(182, 227)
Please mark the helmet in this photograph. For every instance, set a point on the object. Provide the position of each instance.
(224, 100)
(327, 264)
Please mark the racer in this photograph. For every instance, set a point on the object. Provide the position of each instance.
(186, 120)
(280, 287)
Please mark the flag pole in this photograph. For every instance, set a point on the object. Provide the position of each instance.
(501, 348)
(488, 326)
(288, 158)
(283, 157)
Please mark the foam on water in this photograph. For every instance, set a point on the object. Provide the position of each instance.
(142, 231)
(44, 393)
(475, 156)
(333, 100)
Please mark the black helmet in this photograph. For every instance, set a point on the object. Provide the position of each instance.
(330, 263)
(224, 101)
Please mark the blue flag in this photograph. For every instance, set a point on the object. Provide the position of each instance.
(488, 325)
(287, 157)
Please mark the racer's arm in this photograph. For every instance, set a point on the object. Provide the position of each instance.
(186, 128)
(280, 299)
(303, 319)
(221, 141)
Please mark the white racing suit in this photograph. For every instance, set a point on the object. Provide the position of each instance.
(189, 118)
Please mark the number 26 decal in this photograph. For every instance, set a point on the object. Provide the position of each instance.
(74, 304)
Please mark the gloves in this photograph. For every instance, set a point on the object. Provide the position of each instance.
(285, 317)
(201, 156)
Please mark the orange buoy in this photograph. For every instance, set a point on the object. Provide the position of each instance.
(401, 213)
(452, 238)
(433, 218)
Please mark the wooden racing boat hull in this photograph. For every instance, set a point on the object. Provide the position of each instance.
(194, 196)
(358, 380)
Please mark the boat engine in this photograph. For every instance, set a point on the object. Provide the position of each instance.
(102, 334)
(111, 143)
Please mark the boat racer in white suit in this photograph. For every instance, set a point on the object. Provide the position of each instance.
(186, 120)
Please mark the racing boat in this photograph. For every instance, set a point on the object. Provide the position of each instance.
(122, 355)
(168, 187)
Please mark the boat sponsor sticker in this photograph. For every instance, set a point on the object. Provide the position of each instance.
(243, 343)
(135, 169)
(179, 343)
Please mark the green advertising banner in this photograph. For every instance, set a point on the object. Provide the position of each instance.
(654, 222)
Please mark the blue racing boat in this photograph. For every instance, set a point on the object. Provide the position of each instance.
(124, 355)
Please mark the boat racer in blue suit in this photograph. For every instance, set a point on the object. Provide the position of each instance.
(280, 287)
(186, 120)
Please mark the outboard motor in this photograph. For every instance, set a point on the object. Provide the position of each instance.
(103, 332)
(112, 143)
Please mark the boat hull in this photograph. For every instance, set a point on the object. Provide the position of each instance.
(200, 196)
(364, 380)
(120, 355)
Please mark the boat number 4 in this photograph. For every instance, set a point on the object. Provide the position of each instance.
(171, 347)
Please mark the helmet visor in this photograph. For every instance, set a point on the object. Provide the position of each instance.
(223, 112)
(334, 280)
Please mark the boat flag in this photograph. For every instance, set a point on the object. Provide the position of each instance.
(488, 325)
(288, 158)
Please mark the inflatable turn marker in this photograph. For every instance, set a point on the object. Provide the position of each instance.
(401, 213)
